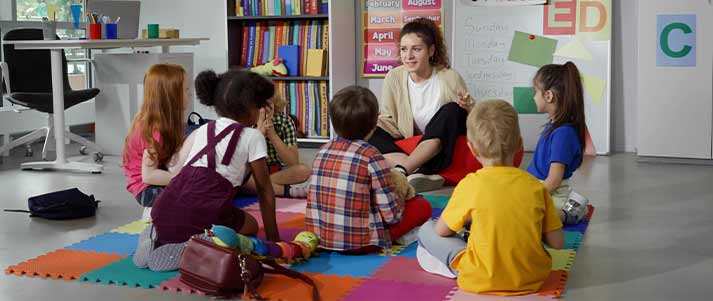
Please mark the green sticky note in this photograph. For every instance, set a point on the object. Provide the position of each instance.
(523, 99)
(532, 49)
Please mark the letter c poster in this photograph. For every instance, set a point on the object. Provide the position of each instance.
(381, 24)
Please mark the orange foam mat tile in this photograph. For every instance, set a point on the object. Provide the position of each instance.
(331, 287)
(63, 264)
(554, 285)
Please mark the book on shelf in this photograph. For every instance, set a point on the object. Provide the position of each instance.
(290, 57)
(280, 7)
(316, 61)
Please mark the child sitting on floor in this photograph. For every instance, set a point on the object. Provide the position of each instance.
(219, 157)
(351, 205)
(156, 134)
(510, 214)
(558, 92)
(287, 174)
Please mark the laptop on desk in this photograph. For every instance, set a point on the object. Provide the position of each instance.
(129, 11)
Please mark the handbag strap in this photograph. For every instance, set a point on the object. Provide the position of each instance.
(280, 270)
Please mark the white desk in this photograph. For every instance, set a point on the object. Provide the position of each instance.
(56, 47)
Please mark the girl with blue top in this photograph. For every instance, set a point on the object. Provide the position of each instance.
(558, 92)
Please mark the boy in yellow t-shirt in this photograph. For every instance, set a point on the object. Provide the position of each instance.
(510, 214)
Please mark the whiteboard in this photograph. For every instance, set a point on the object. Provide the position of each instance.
(482, 37)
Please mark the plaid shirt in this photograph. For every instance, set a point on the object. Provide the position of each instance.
(286, 130)
(350, 203)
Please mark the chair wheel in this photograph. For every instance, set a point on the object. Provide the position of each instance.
(98, 157)
(83, 150)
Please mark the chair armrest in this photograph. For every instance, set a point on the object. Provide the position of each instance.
(5, 76)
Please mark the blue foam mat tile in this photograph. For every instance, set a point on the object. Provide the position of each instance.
(244, 200)
(436, 213)
(581, 227)
(409, 251)
(332, 263)
(110, 242)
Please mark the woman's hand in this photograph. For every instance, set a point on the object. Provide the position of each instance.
(465, 101)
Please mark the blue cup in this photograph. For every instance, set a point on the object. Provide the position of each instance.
(111, 31)
(76, 14)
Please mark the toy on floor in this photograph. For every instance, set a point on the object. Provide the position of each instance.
(302, 247)
(274, 68)
(403, 190)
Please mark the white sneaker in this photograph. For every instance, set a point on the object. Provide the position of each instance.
(146, 215)
(431, 264)
(422, 182)
(299, 190)
(408, 238)
(575, 209)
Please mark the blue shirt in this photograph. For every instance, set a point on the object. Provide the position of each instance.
(562, 146)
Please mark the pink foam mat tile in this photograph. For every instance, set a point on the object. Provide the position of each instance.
(459, 295)
(407, 269)
(377, 289)
(285, 205)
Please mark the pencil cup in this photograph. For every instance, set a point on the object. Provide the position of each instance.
(111, 31)
(95, 31)
(153, 31)
(49, 31)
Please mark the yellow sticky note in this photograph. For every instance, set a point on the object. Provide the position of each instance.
(575, 50)
(595, 87)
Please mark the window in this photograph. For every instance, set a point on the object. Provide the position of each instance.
(29, 13)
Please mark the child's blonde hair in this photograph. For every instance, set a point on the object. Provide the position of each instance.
(493, 128)
(279, 102)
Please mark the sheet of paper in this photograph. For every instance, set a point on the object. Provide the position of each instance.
(530, 49)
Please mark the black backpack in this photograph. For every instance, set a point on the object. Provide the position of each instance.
(65, 204)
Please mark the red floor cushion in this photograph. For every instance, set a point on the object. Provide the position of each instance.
(462, 163)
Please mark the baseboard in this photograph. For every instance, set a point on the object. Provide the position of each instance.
(669, 160)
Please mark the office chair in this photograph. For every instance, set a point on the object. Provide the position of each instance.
(27, 79)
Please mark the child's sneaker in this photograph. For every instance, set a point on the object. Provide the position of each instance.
(422, 182)
(431, 264)
(409, 237)
(298, 190)
(146, 215)
(575, 209)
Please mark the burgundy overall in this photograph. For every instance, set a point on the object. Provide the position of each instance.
(199, 197)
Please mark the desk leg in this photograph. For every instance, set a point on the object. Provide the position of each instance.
(58, 107)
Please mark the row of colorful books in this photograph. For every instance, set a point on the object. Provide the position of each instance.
(262, 40)
(309, 102)
(280, 7)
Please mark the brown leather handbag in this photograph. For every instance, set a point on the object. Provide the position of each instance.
(216, 270)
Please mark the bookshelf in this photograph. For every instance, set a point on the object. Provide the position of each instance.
(313, 92)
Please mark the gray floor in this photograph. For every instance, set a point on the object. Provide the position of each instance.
(650, 238)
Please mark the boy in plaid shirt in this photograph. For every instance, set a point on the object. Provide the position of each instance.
(289, 177)
(350, 204)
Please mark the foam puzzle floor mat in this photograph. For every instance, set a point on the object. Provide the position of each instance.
(394, 275)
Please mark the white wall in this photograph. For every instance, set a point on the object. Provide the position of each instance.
(195, 19)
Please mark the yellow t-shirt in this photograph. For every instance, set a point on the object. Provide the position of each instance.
(510, 210)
